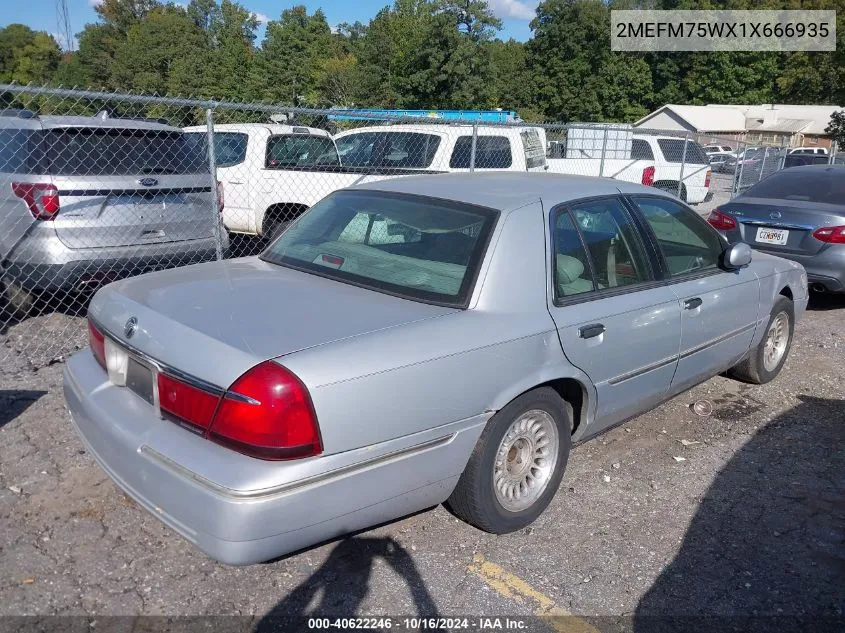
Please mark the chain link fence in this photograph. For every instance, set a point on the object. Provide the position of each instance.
(95, 187)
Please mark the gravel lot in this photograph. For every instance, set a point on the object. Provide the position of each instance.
(738, 513)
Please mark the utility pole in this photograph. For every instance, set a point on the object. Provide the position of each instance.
(63, 24)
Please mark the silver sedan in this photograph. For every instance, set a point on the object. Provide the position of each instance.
(410, 342)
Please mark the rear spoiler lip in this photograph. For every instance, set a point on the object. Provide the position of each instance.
(92, 193)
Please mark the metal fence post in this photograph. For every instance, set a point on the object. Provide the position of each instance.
(834, 147)
(763, 164)
(603, 150)
(683, 163)
(212, 168)
(741, 165)
(472, 150)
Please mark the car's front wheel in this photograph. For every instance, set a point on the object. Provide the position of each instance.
(765, 361)
(517, 464)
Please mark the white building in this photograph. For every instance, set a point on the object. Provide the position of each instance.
(766, 124)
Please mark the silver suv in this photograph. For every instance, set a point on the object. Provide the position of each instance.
(86, 200)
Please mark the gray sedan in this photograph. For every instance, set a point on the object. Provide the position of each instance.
(410, 342)
(798, 214)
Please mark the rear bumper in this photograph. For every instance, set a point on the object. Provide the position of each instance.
(826, 268)
(281, 506)
(90, 271)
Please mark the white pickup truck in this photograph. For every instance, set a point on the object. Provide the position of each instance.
(272, 173)
(673, 163)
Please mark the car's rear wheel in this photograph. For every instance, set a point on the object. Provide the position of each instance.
(765, 361)
(517, 464)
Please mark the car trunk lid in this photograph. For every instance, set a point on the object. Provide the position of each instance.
(112, 211)
(214, 321)
(126, 186)
(794, 220)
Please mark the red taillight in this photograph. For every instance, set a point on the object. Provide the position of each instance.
(830, 234)
(648, 176)
(98, 343)
(221, 198)
(721, 221)
(186, 402)
(41, 198)
(707, 178)
(267, 413)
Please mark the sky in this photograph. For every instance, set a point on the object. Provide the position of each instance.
(41, 14)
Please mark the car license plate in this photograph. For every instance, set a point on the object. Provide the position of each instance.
(772, 236)
(140, 380)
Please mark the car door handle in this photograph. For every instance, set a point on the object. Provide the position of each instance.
(692, 304)
(590, 331)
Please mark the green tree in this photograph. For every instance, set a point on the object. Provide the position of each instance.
(153, 45)
(836, 128)
(27, 56)
(295, 49)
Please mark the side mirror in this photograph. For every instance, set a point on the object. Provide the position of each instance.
(736, 256)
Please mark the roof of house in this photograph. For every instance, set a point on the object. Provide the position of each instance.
(809, 119)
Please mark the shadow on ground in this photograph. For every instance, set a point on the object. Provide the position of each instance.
(340, 585)
(13, 402)
(768, 538)
(826, 301)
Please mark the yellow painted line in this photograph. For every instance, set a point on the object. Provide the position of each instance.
(515, 588)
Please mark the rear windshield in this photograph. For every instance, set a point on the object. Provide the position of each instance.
(673, 151)
(117, 152)
(300, 150)
(823, 185)
(388, 149)
(641, 150)
(415, 247)
(229, 147)
(491, 152)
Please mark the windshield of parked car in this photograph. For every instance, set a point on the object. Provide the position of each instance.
(388, 149)
(79, 151)
(412, 246)
(816, 185)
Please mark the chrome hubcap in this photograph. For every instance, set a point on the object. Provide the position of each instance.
(776, 340)
(525, 460)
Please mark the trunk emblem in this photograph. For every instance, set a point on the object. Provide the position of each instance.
(775, 215)
(130, 327)
(148, 182)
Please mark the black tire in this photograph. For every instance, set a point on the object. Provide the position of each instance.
(474, 499)
(672, 188)
(275, 228)
(753, 369)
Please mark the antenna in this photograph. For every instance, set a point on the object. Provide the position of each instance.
(63, 24)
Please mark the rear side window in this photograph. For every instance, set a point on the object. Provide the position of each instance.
(397, 150)
(300, 150)
(412, 246)
(641, 150)
(117, 152)
(596, 247)
(815, 185)
(491, 152)
(14, 151)
(673, 151)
